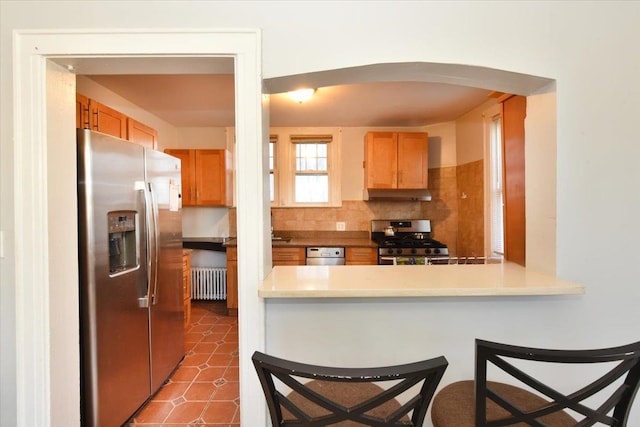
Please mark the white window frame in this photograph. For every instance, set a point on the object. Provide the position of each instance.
(489, 116)
(273, 139)
(286, 164)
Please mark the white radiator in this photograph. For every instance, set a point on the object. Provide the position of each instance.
(209, 283)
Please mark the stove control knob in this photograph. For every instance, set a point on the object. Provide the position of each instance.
(436, 251)
(413, 251)
(427, 251)
(390, 251)
(399, 251)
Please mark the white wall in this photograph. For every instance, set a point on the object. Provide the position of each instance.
(596, 165)
(200, 137)
(470, 134)
(540, 149)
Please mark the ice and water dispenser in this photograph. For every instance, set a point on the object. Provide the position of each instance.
(123, 241)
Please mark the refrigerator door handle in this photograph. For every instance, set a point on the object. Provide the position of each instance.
(143, 302)
(153, 264)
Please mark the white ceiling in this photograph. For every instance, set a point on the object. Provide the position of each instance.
(208, 100)
(199, 91)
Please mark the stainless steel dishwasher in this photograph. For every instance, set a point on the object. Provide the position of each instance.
(325, 256)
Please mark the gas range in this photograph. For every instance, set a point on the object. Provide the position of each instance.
(406, 241)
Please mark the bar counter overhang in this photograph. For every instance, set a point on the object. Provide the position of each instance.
(389, 281)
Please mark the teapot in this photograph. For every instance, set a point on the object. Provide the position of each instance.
(389, 231)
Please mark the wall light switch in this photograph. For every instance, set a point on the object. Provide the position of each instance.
(340, 226)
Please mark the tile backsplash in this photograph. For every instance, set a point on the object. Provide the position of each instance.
(455, 221)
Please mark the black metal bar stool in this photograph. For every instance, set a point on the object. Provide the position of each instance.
(483, 403)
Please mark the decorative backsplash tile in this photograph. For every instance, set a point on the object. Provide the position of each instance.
(458, 222)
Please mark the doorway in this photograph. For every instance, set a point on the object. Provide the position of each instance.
(45, 142)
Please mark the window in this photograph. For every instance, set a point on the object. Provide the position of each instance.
(496, 185)
(311, 183)
(494, 200)
(306, 171)
(273, 172)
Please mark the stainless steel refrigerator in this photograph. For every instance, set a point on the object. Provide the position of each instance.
(130, 257)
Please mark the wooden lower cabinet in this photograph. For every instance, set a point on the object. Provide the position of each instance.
(361, 256)
(186, 286)
(232, 281)
(288, 256)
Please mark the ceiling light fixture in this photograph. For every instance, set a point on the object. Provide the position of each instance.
(302, 95)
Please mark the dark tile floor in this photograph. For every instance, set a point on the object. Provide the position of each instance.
(204, 389)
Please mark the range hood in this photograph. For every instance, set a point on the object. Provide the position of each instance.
(397, 195)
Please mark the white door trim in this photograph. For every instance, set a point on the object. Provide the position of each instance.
(34, 200)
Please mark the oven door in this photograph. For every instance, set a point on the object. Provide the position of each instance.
(401, 260)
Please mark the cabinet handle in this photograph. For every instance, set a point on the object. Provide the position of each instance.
(96, 125)
(85, 114)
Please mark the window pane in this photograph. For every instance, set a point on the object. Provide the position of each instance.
(312, 189)
(272, 187)
(497, 201)
(311, 157)
(272, 146)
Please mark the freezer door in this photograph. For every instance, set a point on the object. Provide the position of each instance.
(166, 306)
(114, 328)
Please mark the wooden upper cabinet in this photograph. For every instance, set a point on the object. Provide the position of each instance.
(206, 177)
(212, 178)
(413, 156)
(142, 134)
(82, 112)
(381, 159)
(396, 160)
(107, 120)
(91, 114)
(188, 174)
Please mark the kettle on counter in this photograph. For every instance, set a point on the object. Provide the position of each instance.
(390, 231)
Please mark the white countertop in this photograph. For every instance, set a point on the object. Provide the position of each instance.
(371, 281)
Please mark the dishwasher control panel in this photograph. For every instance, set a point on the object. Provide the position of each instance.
(325, 252)
(325, 256)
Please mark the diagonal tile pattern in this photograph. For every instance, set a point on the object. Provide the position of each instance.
(204, 390)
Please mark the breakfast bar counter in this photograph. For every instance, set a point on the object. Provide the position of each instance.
(389, 281)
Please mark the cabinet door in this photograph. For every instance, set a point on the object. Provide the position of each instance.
(186, 288)
(288, 256)
(187, 176)
(82, 112)
(361, 256)
(211, 179)
(142, 134)
(107, 120)
(381, 159)
(413, 164)
(186, 276)
(232, 281)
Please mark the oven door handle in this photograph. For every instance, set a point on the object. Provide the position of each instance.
(387, 260)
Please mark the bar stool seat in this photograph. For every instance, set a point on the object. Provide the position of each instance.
(455, 404)
(346, 394)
